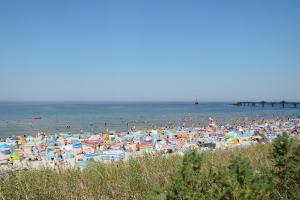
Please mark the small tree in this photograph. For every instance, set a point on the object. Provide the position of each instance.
(285, 156)
(185, 183)
(239, 181)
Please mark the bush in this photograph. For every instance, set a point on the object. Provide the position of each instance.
(185, 182)
(239, 179)
(285, 156)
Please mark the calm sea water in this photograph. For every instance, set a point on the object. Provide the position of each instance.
(17, 118)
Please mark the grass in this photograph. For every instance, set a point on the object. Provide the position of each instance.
(133, 179)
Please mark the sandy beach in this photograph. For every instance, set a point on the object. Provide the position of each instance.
(67, 150)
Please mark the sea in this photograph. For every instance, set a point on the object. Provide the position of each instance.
(19, 118)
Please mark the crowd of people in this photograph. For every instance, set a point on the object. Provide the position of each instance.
(73, 149)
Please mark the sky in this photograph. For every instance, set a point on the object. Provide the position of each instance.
(149, 50)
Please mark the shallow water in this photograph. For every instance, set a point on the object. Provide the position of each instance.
(17, 117)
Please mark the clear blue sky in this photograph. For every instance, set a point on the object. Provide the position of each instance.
(150, 50)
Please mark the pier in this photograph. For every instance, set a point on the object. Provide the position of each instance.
(264, 103)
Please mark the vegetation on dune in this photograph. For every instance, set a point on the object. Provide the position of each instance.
(257, 172)
(241, 179)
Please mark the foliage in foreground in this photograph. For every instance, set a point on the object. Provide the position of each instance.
(257, 172)
(240, 179)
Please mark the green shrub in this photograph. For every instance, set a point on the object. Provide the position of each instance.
(185, 182)
(285, 156)
(240, 178)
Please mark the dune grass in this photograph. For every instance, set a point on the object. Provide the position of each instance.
(133, 179)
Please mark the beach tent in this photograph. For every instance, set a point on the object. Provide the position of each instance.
(15, 155)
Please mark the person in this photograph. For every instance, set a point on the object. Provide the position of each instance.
(31, 156)
(138, 146)
(53, 158)
(11, 162)
(123, 147)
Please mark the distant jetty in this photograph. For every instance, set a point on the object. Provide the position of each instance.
(264, 103)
